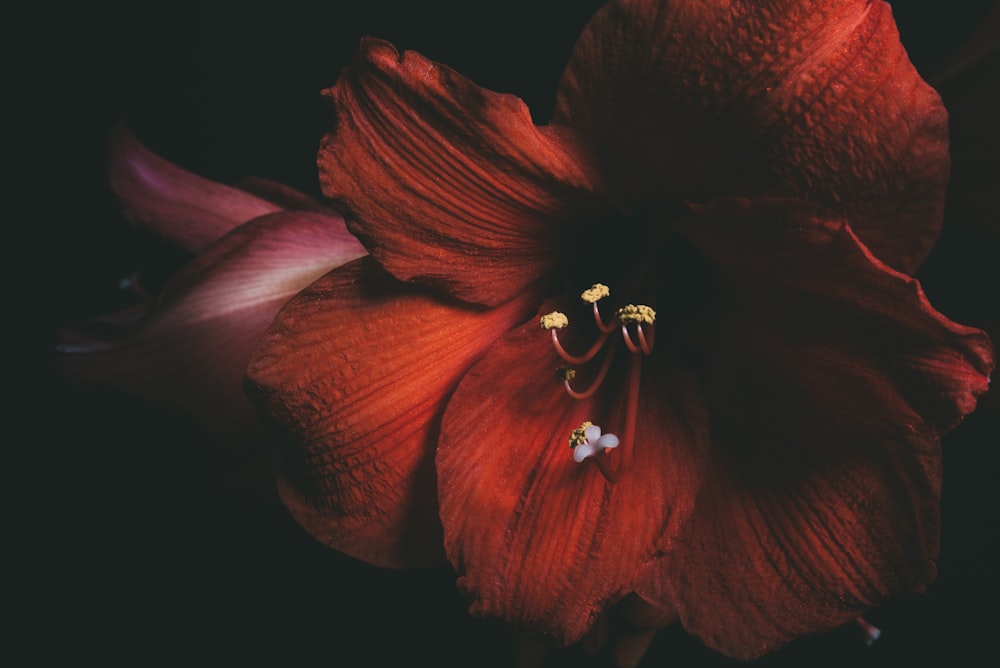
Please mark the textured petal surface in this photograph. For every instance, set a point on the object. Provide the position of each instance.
(190, 350)
(184, 208)
(723, 97)
(538, 539)
(832, 379)
(356, 371)
(446, 182)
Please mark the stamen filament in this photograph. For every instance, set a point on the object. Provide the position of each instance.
(601, 373)
(607, 329)
(582, 359)
(628, 340)
(622, 462)
(644, 343)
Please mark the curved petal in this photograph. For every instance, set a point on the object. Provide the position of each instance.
(355, 371)
(191, 349)
(448, 183)
(186, 209)
(538, 539)
(832, 380)
(817, 99)
(282, 195)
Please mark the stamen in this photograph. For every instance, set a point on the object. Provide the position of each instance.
(596, 293)
(636, 314)
(587, 440)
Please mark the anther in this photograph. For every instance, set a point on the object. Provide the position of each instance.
(595, 293)
(554, 320)
(635, 313)
(565, 373)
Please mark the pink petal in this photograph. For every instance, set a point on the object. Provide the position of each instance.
(186, 209)
(191, 350)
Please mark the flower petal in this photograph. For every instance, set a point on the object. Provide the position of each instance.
(448, 183)
(188, 210)
(832, 380)
(817, 98)
(540, 540)
(191, 349)
(356, 371)
(282, 195)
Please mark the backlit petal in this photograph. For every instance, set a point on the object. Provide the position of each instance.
(188, 210)
(701, 98)
(448, 183)
(356, 371)
(538, 539)
(190, 350)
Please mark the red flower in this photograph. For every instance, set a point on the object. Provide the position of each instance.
(755, 182)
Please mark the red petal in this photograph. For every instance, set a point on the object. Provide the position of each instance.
(182, 207)
(832, 378)
(538, 539)
(446, 182)
(813, 98)
(191, 350)
(356, 371)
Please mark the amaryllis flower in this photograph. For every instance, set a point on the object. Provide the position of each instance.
(254, 247)
(717, 233)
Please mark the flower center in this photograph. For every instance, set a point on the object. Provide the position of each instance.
(635, 324)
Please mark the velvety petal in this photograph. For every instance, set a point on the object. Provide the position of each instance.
(188, 210)
(832, 378)
(538, 539)
(190, 350)
(448, 183)
(818, 99)
(355, 371)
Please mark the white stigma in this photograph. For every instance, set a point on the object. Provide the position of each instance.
(594, 443)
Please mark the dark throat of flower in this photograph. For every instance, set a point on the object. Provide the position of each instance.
(649, 263)
(633, 325)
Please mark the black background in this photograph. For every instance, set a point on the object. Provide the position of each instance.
(146, 542)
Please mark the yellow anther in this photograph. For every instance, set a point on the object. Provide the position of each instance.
(554, 320)
(565, 372)
(579, 435)
(597, 292)
(637, 313)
